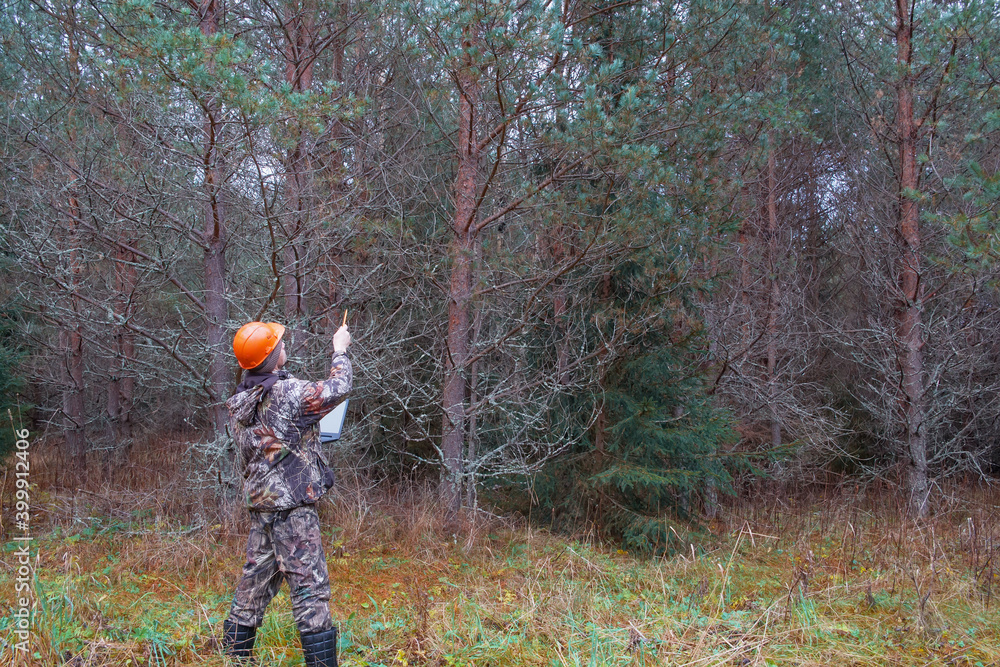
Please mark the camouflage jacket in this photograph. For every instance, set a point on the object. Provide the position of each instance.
(277, 436)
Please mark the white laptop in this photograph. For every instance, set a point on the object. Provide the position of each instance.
(331, 426)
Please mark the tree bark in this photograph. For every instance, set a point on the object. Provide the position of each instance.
(214, 236)
(71, 337)
(472, 445)
(460, 254)
(121, 387)
(328, 167)
(745, 280)
(299, 58)
(910, 327)
(559, 251)
(601, 422)
(71, 342)
(774, 299)
(72, 404)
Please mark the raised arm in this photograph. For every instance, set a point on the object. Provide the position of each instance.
(319, 398)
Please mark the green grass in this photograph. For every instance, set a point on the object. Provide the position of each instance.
(810, 586)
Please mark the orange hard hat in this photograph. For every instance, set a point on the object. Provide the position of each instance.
(256, 340)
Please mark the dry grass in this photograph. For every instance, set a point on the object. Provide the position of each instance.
(132, 575)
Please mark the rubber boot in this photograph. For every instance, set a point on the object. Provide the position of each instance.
(320, 648)
(237, 641)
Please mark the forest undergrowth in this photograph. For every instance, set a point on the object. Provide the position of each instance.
(134, 576)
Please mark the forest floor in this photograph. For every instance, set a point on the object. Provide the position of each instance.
(800, 586)
(842, 579)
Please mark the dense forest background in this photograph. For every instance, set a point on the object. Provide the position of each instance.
(605, 262)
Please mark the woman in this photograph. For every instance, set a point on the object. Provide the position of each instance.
(274, 419)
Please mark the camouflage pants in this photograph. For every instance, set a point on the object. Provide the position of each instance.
(284, 544)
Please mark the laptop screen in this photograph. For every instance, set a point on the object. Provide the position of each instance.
(331, 426)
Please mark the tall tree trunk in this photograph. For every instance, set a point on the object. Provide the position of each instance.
(559, 250)
(71, 342)
(329, 166)
(910, 328)
(472, 442)
(71, 338)
(121, 387)
(214, 236)
(460, 254)
(774, 299)
(813, 240)
(601, 421)
(333, 162)
(745, 281)
(711, 271)
(299, 59)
